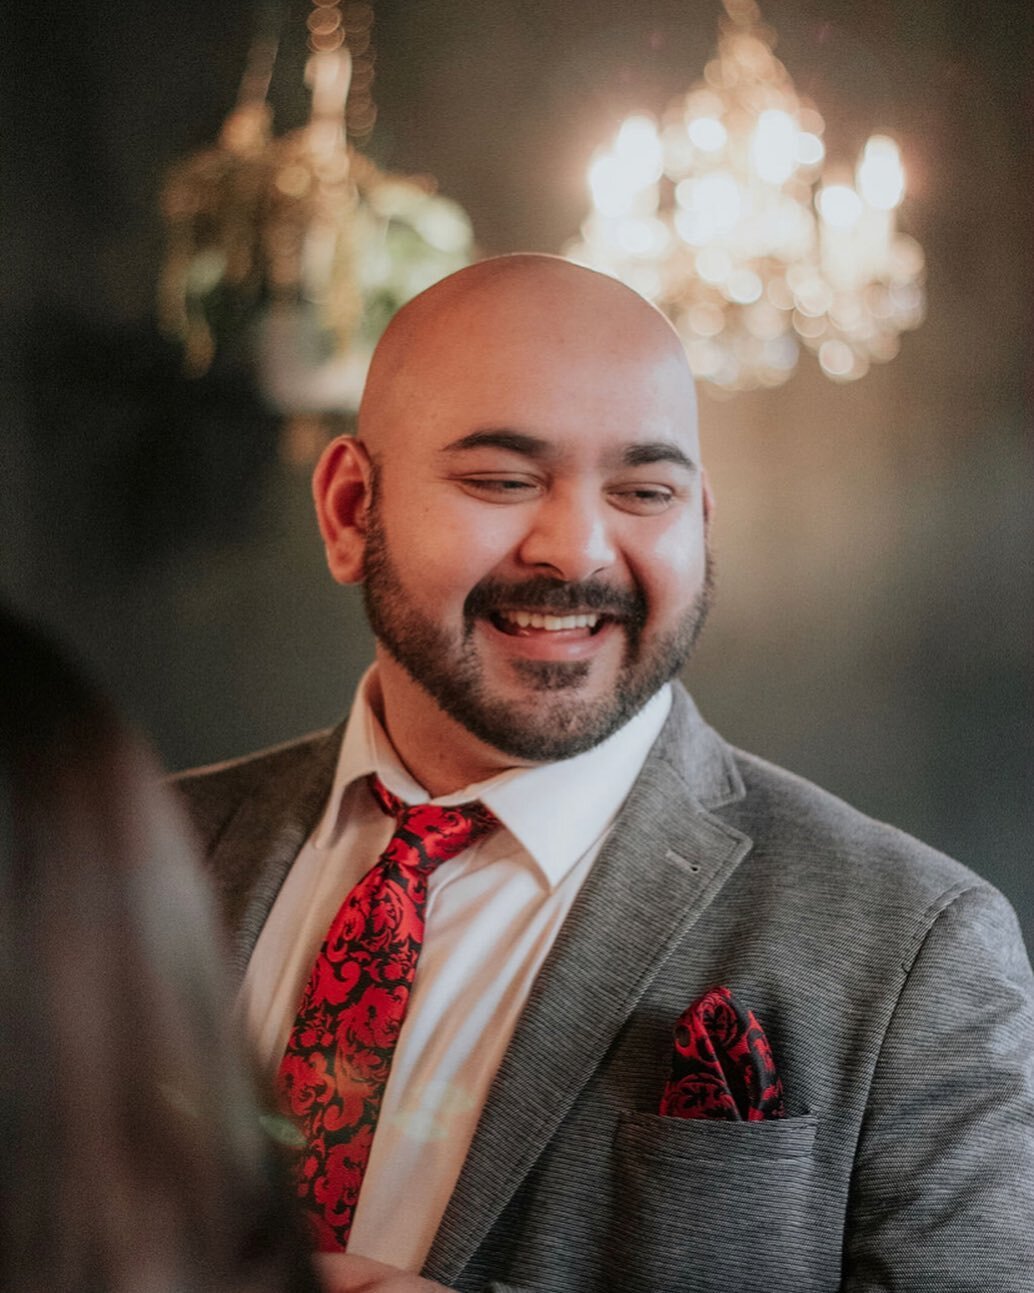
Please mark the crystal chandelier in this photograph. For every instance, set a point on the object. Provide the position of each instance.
(296, 248)
(724, 216)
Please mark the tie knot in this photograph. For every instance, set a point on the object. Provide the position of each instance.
(427, 834)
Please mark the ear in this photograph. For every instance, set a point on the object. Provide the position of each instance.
(708, 497)
(341, 492)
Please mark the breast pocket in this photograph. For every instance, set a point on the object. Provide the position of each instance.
(714, 1205)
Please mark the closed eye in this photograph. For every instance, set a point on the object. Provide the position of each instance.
(643, 500)
(501, 489)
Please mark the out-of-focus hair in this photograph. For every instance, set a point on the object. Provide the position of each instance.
(133, 1159)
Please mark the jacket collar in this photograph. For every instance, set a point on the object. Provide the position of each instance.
(263, 837)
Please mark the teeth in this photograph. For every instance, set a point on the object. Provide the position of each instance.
(529, 620)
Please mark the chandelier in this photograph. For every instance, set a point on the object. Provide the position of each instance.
(725, 215)
(297, 249)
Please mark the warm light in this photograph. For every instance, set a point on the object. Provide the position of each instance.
(706, 320)
(641, 237)
(707, 133)
(618, 178)
(718, 214)
(906, 258)
(881, 179)
(691, 228)
(745, 287)
(445, 227)
(840, 206)
(676, 147)
(713, 265)
(813, 299)
(773, 149)
(707, 206)
(612, 191)
(765, 321)
(638, 147)
(810, 149)
(717, 197)
(836, 358)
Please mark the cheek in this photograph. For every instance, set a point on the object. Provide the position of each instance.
(449, 549)
(478, 537)
(671, 569)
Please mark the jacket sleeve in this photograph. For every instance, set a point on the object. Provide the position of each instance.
(942, 1194)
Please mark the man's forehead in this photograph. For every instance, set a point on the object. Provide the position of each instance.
(522, 339)
(572, 321)
(546, 408)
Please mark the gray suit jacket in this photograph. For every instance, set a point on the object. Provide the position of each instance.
(893, 986)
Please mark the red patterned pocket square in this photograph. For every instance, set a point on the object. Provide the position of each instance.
(722, 1064)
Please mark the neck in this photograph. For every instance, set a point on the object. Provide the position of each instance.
(439, 753)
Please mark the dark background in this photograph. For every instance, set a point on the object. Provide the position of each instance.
(874, 624)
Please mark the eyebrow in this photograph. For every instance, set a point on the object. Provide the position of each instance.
(640, 454)
(530, 446)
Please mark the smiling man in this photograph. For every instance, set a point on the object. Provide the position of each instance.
(557, 990)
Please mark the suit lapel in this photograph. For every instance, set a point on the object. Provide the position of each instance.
(666, 859)
(264, 836)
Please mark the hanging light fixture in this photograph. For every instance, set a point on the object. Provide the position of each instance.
(298, 249)
(727, 216)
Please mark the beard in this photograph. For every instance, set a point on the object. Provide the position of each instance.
(563, 723)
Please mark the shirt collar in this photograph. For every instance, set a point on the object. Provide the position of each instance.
(555, 811)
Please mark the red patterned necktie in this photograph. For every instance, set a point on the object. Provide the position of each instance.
(332, 1077)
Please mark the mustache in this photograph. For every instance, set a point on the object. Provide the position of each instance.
(557, 597)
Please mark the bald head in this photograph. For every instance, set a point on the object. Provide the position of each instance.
(511, 324)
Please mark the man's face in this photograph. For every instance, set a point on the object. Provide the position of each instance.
(551, 699)
(535, 545)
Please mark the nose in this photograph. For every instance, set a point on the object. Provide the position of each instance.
(569, 537)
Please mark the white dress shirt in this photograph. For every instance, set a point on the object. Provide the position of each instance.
(491, 917)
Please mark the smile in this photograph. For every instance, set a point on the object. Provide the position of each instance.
(516, 621)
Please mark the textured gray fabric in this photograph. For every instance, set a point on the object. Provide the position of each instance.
(253, 815)
(891, 981)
